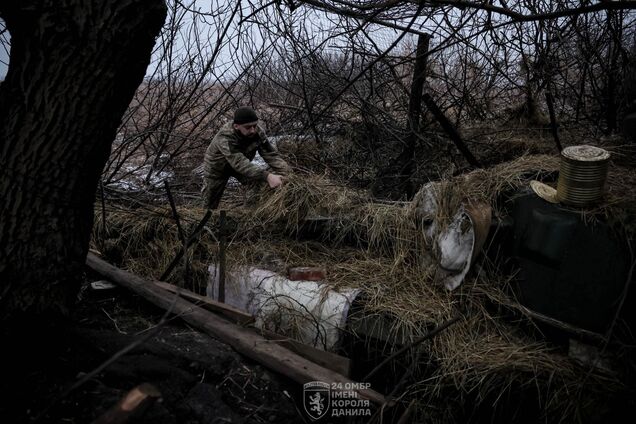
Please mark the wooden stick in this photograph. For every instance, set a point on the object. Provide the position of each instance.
(190, 240)
(132, 405)
(329, 360)
(417, 341)
(243, 340)
(569, 328)
(180, 231)
(212, 305)
(221, 293)
(450, 129)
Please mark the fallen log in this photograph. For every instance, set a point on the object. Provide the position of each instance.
(243, 340)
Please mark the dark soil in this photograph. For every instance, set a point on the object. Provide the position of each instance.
(201, 380)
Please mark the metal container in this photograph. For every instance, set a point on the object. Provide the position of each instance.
(582, 175)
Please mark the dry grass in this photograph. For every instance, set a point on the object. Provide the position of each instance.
(486, 185)
(378, 249)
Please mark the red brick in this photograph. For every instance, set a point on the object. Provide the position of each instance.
(310, 273)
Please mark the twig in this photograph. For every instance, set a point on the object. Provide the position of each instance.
(406, 416)
(425, 337)
(114, 322)
(175, 214)
(569, 328)
(553, 123)
(182, 236)
(390, 398)
(450, 129)
(190, 240)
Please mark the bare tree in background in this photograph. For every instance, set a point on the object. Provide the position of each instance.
(338, 76)
(491, 65)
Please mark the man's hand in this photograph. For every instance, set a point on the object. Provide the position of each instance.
(274, 180)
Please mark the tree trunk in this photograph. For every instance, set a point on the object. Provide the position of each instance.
(554, 126)
(415, 111)
(74, 67)
(396, 178)
(611, 107)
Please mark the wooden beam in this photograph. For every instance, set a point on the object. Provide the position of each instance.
(326, 359)
(243, 340)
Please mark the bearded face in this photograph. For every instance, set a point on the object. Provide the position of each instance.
(248, 130)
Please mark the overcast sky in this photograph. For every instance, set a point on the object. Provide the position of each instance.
(3, 68)
(203, 5)
(317, 24)
(4, 57)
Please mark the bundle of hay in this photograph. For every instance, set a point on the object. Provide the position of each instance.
(486, 185)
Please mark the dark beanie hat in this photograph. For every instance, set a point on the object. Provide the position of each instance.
(245, 114)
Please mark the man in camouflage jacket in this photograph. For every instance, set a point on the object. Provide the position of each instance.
(230, 154)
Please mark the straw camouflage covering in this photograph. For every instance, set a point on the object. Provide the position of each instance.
(378, 248)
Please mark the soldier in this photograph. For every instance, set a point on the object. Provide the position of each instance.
(230, 154)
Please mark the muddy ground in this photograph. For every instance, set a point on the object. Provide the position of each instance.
(201, 380)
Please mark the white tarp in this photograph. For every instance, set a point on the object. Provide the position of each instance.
(307, 311)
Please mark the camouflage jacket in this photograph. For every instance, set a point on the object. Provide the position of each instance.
(230, 154)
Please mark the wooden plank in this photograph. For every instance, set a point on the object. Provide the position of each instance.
(243, 340)
(212, 305)
(329, 360)
(131, 406)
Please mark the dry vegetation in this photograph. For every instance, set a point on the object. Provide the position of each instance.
(377, 247)
(343, 119)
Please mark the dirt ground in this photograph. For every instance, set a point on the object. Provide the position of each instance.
(201, 380)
